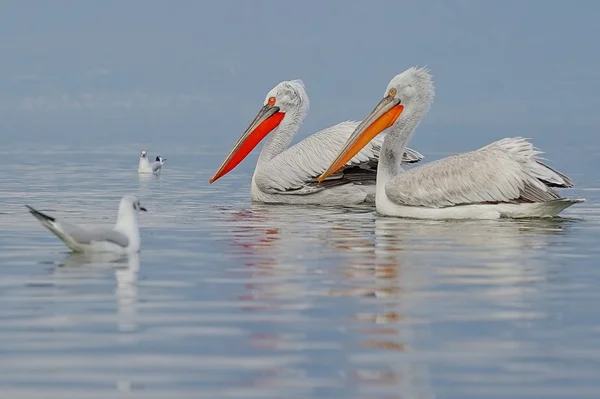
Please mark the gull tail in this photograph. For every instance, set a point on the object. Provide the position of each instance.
(42, 217)
(50, 223)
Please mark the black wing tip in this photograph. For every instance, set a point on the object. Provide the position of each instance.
(412, 156)
(39, 214)
(567, 181)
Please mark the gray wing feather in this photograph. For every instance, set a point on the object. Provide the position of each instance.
(89, 235)
(155, 166)
(507, 170)
(295, 170)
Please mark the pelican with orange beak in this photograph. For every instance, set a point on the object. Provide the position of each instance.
(505, 179)
(287, 175)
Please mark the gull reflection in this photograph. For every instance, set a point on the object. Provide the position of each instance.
(145, 179)
(126, 268)
(127, 297)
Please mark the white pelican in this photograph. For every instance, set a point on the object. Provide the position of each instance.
(288, 175)
(502, 179)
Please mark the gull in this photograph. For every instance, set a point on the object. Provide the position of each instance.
(145, 166)
(123, 238)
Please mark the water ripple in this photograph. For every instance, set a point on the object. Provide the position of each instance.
(233, 300)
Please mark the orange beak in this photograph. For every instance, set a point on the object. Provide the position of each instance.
(383, 116)
(267, 119)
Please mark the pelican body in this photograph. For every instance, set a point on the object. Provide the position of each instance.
(505, 179)
(287, 175)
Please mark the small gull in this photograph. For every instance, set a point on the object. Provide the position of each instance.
(145, 166)
(123, 238)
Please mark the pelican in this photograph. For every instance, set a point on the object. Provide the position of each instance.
(504, 179)
(287, 175)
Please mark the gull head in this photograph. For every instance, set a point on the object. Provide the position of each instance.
(130, 204)
(143, 154)
(127, 219)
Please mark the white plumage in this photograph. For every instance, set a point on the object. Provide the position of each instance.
(298, 166)
(287, 174)
(145, 166)
(123, 238)
(507, 170)
(503, 179)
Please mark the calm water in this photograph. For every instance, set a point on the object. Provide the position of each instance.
(233, 300)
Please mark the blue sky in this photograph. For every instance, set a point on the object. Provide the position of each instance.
(200, 67)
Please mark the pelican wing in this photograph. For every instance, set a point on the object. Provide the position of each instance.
(295, 170)
(507, 170)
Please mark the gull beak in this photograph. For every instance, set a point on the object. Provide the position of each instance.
(383, 116)
(143, 209)
(267, 119)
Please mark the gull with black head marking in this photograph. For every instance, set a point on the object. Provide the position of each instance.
(123, 238)
(145, 166)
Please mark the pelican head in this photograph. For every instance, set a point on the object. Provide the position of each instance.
(409, 94)
(288, 98)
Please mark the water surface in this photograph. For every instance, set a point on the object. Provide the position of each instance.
(233, 300)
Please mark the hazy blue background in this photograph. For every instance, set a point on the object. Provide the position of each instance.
(198, 70)
(233, 300)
